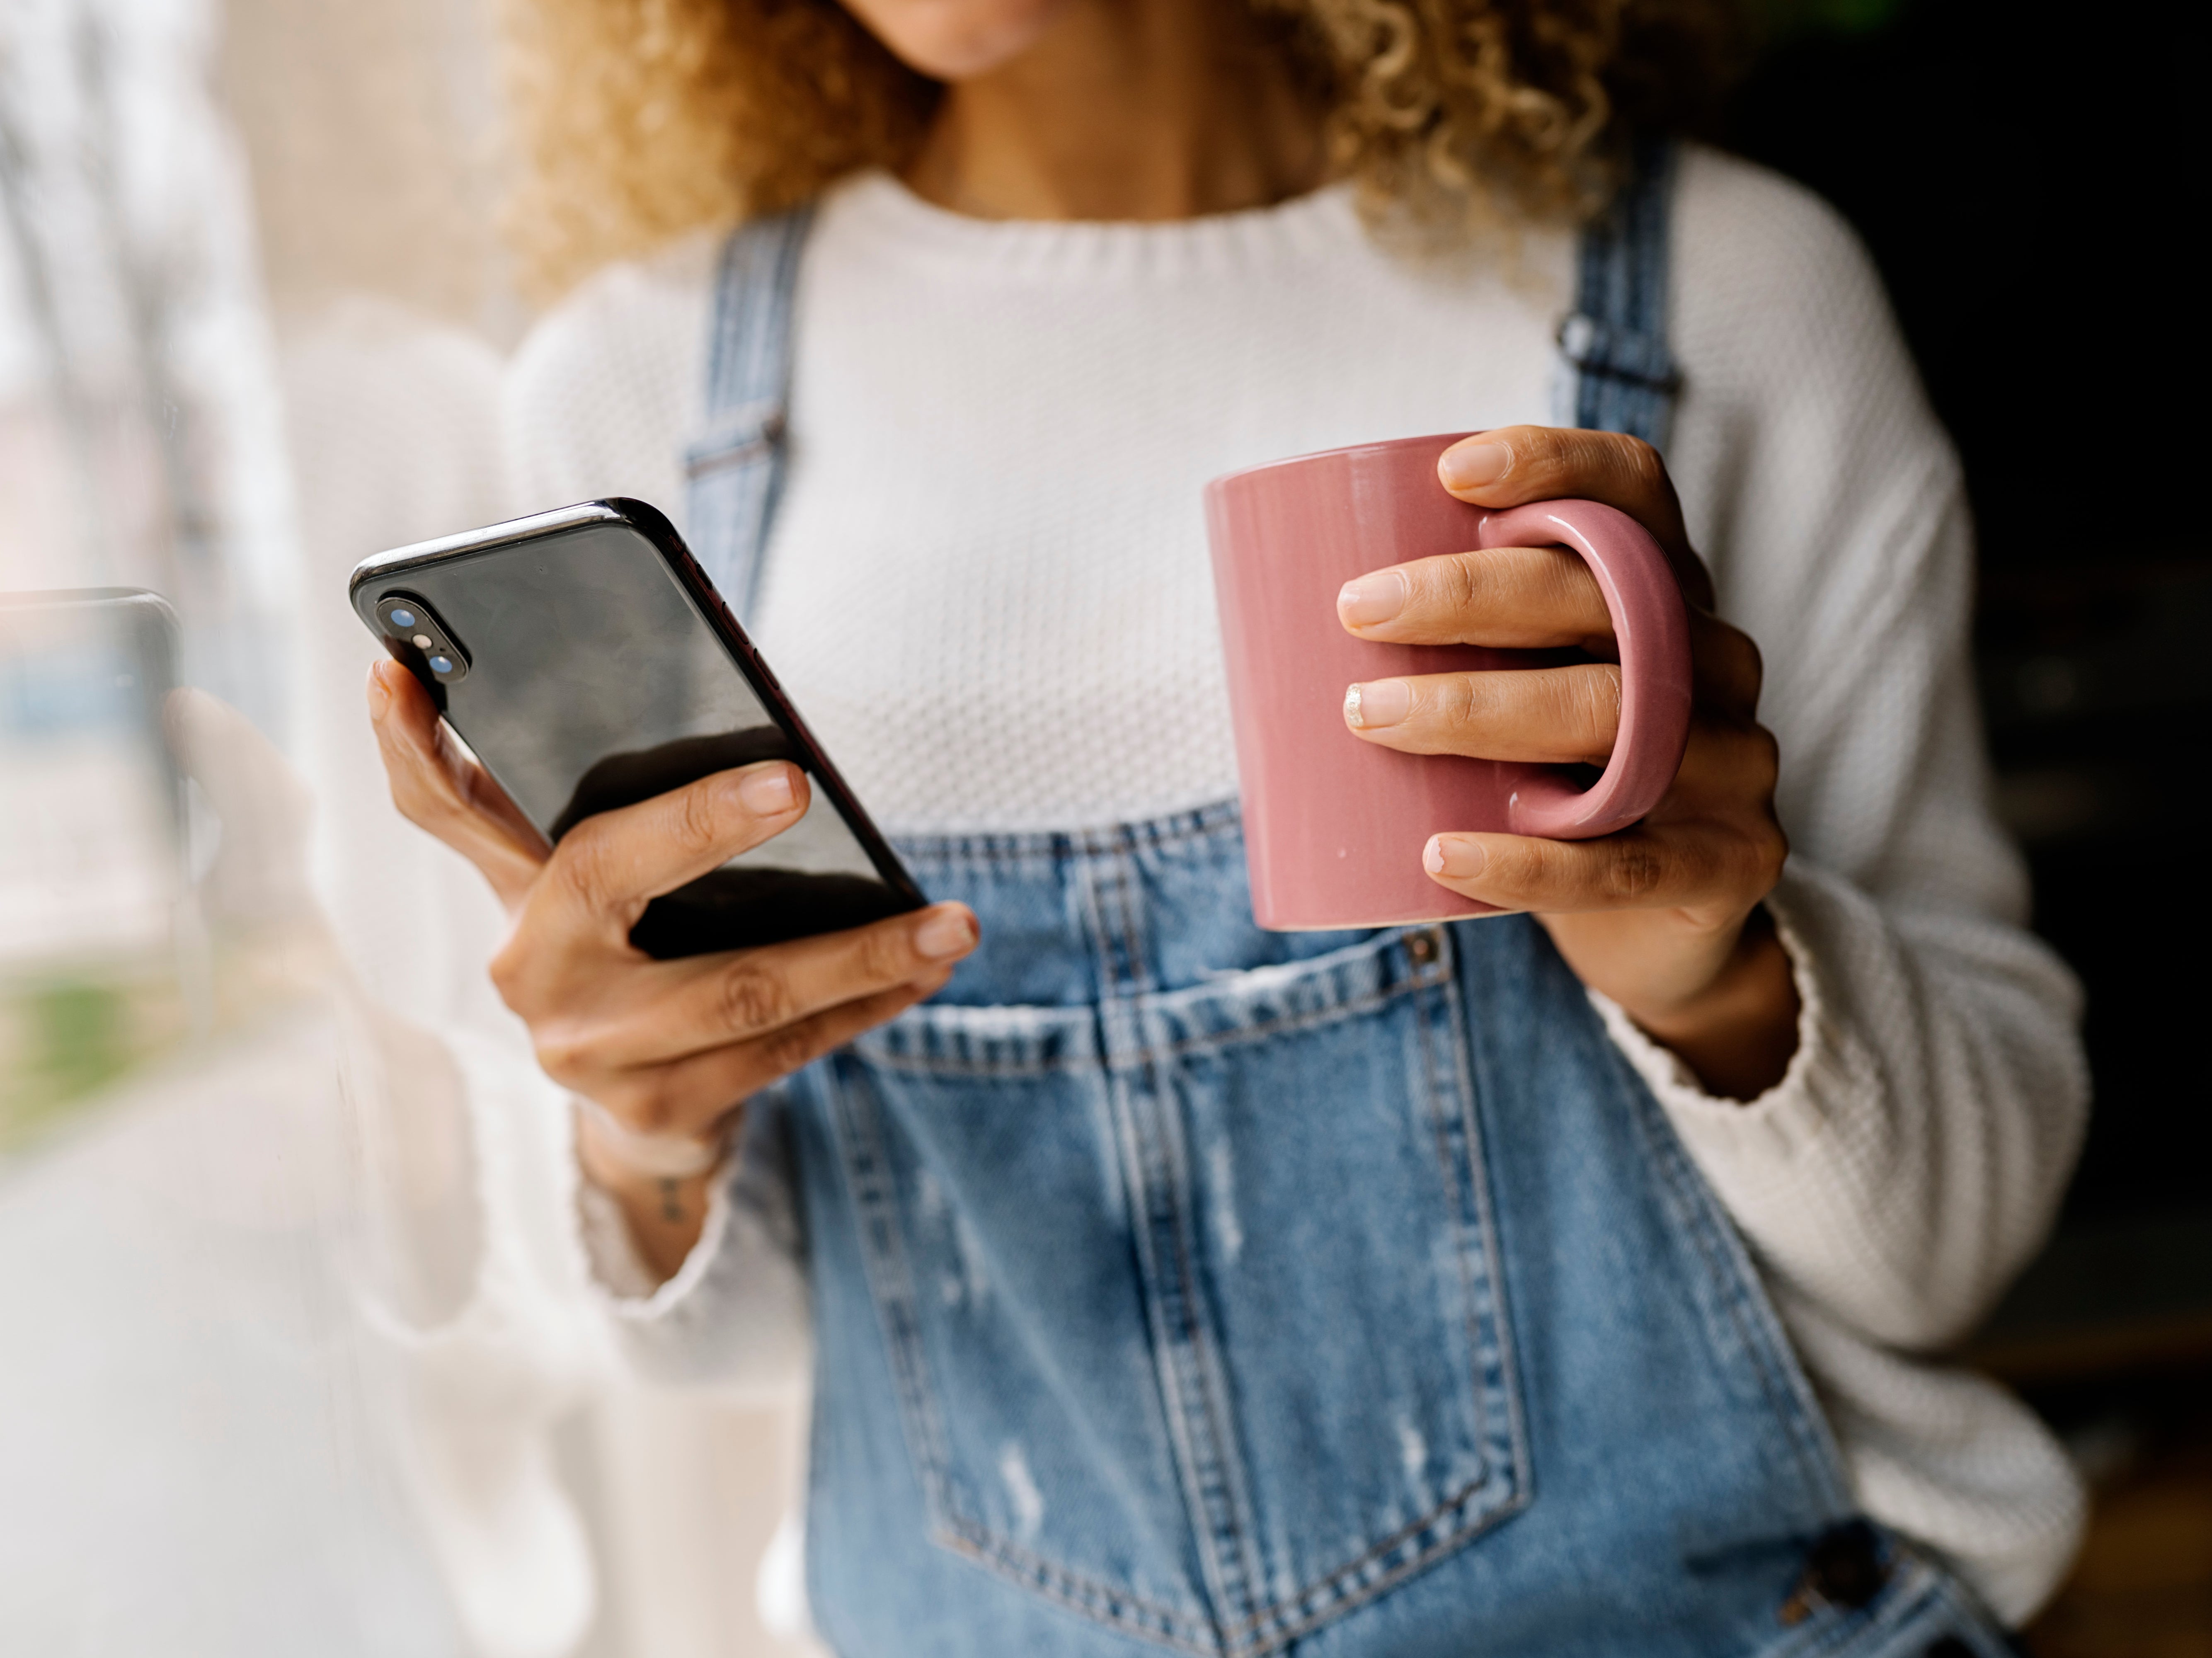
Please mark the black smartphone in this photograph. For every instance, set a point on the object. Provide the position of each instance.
(587, 660)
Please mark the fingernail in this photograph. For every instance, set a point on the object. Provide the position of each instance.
(379, 696)
(1384, 703)
(1471, 465)
(767, 791)
(1372, 598)
(1457, 859)
(945, 933)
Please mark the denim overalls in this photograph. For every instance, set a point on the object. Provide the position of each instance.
(1181, 1287)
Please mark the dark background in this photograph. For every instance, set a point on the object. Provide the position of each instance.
(2023, 175)
(2030, 180)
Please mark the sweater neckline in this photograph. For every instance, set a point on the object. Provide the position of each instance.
(885, 213)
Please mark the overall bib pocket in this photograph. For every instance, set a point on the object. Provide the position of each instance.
(1192, 1298)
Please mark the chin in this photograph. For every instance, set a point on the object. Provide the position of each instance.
(957, 39)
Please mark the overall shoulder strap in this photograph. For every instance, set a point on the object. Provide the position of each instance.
(735, 465)
(1616, 374)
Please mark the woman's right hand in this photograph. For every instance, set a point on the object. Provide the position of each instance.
(669, 1050)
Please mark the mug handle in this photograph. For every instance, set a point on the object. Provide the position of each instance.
(1653, 630)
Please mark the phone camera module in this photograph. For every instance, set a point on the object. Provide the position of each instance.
(418, 637)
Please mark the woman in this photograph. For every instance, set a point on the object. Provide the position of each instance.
(1176, 1286)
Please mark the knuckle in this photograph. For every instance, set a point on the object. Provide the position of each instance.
(1640, 462)
(1740, 669)
(792, 1048)
(1744, 859)
(1753, 668)
(753, 999)
(1454, 703)
(1460, 582)
(886, 955)
(1515, 867)
(1765, 767)
(1633, 873)
(509, 973)
(1544, 455)
(1582, 450)
(1771, 851)
(1594, 710)
(1565, 584)
(695, 825)
(586, 863)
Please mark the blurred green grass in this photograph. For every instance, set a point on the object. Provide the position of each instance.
(66, 1038)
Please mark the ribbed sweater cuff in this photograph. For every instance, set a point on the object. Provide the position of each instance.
(1785, 1125)
(620, 1281)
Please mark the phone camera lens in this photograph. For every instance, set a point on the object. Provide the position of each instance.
(441, 665)
(401, 616)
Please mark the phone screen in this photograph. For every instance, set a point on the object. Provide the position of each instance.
(588, 680)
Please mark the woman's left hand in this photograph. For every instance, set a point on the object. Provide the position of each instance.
(1663, 917)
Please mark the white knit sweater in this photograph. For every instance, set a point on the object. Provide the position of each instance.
(989, 589)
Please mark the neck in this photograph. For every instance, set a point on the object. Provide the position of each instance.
(1126, 109)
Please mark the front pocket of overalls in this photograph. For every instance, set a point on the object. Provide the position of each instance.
(1193, 1301)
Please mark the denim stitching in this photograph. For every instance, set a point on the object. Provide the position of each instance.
(1223, 1463)
(1135, 944)
(1165, 1366)
(1229, 1452)
(924, 1065)
(1081, 1595)
(1073, 1589)
(1216, 1464)
(1178, 1047)
(1221, 820)
(734, 471)
(883, 1259)
(1237, 1036)
(1310, 1617)
(1140, 1183)
(1336, 1013)
(1378, 958)
(1447, 1163)
(1500, 1370)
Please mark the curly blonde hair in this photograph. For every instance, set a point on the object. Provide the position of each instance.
(637, 120)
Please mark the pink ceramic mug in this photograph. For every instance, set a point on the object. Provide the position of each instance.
(1335, 826)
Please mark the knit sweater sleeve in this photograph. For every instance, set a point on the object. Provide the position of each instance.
(1912, 1156)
